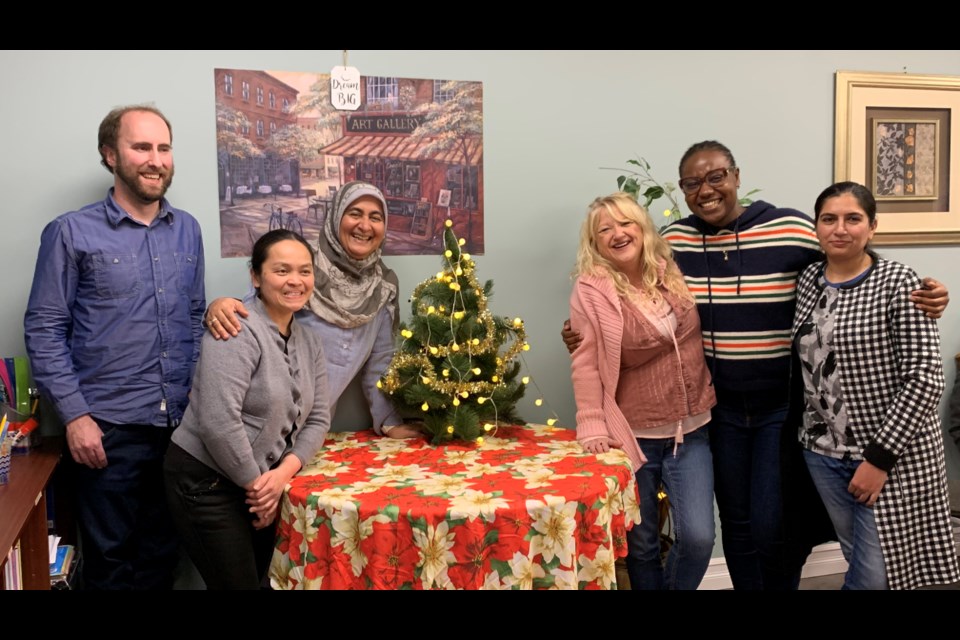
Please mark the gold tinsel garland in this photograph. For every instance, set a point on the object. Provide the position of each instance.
(463, 267)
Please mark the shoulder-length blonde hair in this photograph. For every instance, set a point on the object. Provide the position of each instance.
(656, 260)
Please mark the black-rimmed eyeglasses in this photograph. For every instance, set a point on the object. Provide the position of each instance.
(713, 178)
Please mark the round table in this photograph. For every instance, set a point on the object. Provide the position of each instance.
(526, 509)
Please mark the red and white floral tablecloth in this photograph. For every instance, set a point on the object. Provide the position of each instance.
(527, 509)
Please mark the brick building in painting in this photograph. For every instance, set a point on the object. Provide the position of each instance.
(267, 104)
(422, 188)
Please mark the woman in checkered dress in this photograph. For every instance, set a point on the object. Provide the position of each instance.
(873, 379)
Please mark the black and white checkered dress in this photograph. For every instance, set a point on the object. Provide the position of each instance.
(892, 378)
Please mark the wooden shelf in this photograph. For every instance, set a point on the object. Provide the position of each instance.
(23, 504)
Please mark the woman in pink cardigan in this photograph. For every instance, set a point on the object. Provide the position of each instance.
(641, 384)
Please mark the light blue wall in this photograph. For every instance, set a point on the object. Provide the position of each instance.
(552, 119)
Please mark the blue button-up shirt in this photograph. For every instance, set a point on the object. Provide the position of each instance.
(112, 326)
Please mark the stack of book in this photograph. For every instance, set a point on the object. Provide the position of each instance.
(63, 568)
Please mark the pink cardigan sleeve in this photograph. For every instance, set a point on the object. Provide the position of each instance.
(585, 366)
(596, 366)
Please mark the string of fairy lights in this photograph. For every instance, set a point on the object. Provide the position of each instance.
(452, 381)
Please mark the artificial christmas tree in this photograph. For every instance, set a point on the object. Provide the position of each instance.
(453, 365)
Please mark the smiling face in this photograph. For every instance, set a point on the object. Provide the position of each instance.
(285, 280)
(620, 241)
(362, 227)
(844, 228)
(715, 204)
(143, 160)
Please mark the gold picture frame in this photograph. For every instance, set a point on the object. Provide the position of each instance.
(868, 102)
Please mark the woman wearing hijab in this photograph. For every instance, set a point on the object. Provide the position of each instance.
(354, 302)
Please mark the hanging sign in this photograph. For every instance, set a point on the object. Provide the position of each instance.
(345, 88)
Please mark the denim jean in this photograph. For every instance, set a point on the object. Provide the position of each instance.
(854, 522)
(688, 480)
(745, 433)
(212, 516)
(126, 535)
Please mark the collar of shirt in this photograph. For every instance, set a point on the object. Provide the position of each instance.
(116, 214)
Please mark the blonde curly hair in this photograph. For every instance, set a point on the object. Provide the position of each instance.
(656, 259)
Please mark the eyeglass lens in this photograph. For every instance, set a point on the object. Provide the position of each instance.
(714, 178)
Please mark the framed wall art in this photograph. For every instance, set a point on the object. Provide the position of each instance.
(899, 134)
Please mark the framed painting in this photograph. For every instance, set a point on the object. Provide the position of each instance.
(895, 134)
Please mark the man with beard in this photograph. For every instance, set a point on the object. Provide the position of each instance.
(113, 331)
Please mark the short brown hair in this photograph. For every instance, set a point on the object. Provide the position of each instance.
(110, 128)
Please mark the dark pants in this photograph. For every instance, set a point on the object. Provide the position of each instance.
(127, 538)
(215, 524)
(745, 437)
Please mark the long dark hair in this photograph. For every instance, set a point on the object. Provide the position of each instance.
(864, 198)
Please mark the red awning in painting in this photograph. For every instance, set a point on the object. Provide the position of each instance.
(402, 148)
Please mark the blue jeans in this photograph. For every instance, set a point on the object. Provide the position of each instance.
(688, 479)
(745, 436)
(854, 522)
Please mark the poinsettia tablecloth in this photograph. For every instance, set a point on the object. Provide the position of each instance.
(526, 509)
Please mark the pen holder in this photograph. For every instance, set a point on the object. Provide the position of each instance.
(21, 430)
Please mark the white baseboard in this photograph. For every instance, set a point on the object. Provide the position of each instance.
(824, 560)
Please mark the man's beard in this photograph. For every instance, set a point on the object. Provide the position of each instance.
(147, 192)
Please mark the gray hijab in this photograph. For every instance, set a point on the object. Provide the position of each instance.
(349, 293)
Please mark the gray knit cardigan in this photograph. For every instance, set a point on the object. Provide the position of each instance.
(248, 395)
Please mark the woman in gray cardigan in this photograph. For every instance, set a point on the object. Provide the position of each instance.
(259, 410)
